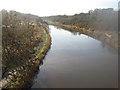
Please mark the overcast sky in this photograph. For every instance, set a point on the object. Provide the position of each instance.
(56, 7)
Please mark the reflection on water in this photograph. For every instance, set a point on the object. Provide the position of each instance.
(77, 61)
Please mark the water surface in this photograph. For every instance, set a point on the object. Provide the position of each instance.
(77, 61)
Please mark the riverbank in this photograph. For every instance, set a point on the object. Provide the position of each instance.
(22, 76)
(110, 38)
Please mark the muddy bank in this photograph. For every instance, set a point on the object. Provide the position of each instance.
(22, 77)
(110, 38)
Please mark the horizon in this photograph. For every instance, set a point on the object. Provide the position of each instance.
(56, 7)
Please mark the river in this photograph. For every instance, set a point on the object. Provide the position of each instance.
(77, 61)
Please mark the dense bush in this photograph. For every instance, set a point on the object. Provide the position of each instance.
(21, 33)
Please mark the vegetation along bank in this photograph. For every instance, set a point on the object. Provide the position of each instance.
(25, 42)
(100, 24)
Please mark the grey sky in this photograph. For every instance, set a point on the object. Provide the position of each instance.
(56, 7)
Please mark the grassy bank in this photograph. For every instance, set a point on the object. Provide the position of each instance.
(22, 76)
(110, 38)
(25, 41)
(101, 24)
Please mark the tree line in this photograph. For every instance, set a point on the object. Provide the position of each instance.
(98, 19)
